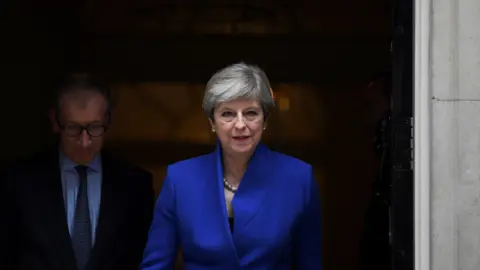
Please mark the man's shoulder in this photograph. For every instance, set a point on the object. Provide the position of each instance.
(124, 167)
(39, 159)
(25, 171)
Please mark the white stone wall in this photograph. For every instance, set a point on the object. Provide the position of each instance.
(454, 84)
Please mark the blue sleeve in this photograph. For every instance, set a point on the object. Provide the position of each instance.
(162, 245)
(307, 244)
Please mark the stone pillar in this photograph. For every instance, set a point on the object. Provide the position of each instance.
(447, 134)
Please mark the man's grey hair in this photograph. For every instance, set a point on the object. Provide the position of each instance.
(78, 85)
(238, 81)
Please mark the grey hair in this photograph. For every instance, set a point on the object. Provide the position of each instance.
(238, 81)
(78, 84)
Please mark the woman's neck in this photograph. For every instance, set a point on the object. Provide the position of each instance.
(234, 167)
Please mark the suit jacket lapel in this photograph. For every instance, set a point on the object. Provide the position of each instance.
(251, 192)
(216, 174)
(252, 189)
(110, 205)
(56, 219)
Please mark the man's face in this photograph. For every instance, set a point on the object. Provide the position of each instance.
(78, 112)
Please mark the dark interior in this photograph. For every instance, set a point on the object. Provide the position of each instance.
(319, 55)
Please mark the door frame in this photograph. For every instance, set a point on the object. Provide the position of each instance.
(422, 135)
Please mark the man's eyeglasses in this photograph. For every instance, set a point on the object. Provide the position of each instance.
(74, 130)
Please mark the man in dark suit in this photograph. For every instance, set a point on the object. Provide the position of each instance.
(75, 207)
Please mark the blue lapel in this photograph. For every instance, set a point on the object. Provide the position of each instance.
(251, 192)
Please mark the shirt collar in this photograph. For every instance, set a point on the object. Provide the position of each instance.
(66, 164)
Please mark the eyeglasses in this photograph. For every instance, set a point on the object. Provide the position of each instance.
(93, 130)
(74, 130)
(249, 116)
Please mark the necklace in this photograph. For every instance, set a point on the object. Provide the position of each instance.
(228, 186)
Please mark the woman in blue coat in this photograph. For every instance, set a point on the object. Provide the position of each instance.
(242, 206)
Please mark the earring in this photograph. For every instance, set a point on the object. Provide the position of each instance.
(213, 130)
(265, 127)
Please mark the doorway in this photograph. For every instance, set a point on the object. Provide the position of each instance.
(320, 57)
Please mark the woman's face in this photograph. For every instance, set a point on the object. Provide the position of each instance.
(239, 125)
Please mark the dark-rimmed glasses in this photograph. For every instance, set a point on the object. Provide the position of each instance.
(74, 130)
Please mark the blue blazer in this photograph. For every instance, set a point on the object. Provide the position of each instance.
(276, 209)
